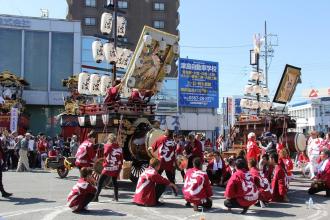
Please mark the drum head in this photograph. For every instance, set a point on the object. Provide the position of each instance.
(151, 137)
(300, 142)
(137, 148)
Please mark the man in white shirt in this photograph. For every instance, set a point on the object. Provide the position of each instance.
(313, 151)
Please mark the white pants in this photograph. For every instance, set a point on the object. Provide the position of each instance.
(23, 161)
(312, 165)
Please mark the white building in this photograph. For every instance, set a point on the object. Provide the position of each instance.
(312, 115)
(43, 51)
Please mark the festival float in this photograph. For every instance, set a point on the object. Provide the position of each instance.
(12, 117)
(130, 119)
(260, 115)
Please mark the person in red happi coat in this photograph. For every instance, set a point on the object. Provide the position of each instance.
(113, 93)
(216, 169)
(112, 165)
(193, 149)
(280, 183)
(252, 149)
(197, 187)
(165, 148)
(241, 192)
(262, 183)
(285, 157)
(86, 154)
(82, 192)
(151, 185)
(322, 181)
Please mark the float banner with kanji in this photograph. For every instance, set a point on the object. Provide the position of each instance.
(198, 83)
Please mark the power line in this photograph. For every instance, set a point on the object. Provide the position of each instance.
(216, 47)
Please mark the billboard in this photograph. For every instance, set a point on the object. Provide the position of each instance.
(198, 83)
(167, 98)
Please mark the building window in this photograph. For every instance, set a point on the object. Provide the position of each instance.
(62, 63)
(122, 4)
(36, 59)
(90, 3)
(159, 24)
(11, 48)
(90, 21)
(159, 6)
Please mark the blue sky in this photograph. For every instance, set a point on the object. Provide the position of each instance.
(303, 29)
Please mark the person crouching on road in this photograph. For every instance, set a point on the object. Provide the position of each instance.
(215, 169)
(322, 181)
(197, 187)
(86, 154)
(262, 183)
(241, 192)
(112, 164)
(82, 192)
(280, 181)
(151, 186)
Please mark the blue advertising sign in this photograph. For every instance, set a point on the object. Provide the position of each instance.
(238, 108)
(198, 83)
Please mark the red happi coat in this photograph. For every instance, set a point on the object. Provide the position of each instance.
(325, 144)
(279, 147)
(113, 160)
(195, 151)
(85, 154)
(288, 165)
(78, 194)
(262, 183)
(166, 152)
(302, 158)
(253, 150)
(242, 188)
(325, 174)
(280, 184)
(42, 146)
(145, 193)
(112, 94)
(197, 187)
(180, 148)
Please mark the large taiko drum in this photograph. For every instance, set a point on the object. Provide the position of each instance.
(296, 142)
(151, 137)
(137, 147)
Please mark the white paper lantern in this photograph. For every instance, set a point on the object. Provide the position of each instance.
(147, 39)
(106, 23)
(256, 89)
(248, 104)
(92, 119)
(265, 91)
(162, 45)
(95, 84)
(255, 104)
(105, 119)
(97, 50)
(83, 83)
(105, 84)
(121, 26)
(248, 89)
(176, 49)
(254, 76)
(261, 77)
(139, 63)
(110, 52)
(167, 69)
(81, 121)
(243, 103)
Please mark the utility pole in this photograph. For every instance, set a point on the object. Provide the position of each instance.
(114, 66)
(266, 56)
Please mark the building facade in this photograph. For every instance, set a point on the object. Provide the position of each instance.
(42, 51)
(312, 115)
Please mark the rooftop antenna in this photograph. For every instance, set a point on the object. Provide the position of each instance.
(44, 13)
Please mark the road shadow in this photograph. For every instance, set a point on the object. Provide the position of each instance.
(268, 213)
(27, 201)
(68, 178)
(103, 212)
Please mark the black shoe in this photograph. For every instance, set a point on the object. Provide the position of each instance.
(188, 205)
(258, 204)
(96, 199)
(6, 195)
(159, 203)
(244, 211)
(196, 208)
(115, 199)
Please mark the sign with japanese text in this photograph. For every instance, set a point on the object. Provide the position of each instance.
(198, 83)
(13, 119)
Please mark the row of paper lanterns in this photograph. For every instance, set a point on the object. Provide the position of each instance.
(256, 89)
(108, 52)
(257, 76)
(254, 104)
(92, 120)
(93, 84)
(106, 24)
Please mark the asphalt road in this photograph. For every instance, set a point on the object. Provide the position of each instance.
(42, 195)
